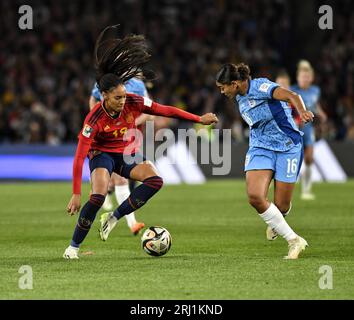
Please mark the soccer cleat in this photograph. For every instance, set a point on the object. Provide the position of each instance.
(271, 234)
(307, 196)
(137, 226)
(295, 247)
(107, 225)
(107, 204)
(71, 253)
(103, 217)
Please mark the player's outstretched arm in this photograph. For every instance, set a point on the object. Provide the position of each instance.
(209, 118)
(283, 94)
(157, 109)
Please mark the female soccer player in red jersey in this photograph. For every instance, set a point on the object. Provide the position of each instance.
(103, 137)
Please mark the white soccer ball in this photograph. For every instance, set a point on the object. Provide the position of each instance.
(156, 241)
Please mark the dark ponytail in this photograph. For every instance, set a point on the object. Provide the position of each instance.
(118, 60)
(231, 72)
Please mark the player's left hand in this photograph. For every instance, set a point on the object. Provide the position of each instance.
(307, 116)
(209, 118)
(74, 204)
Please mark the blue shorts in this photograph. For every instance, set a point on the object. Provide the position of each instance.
(285, 164)
(114, 162)
(309, 134)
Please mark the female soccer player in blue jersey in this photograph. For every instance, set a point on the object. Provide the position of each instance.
(310, 94)
(275, 145)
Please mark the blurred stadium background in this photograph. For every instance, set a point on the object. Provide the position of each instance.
(46, 74)
(46, 77)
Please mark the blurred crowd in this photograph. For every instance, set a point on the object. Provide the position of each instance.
(46, 74)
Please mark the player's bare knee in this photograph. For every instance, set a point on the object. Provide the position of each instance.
(149, 170)
(256, 200)
(308, 160)
(120, 181)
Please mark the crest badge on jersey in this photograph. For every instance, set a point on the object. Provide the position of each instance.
(86, 132)
(129, 118)
(264, 87)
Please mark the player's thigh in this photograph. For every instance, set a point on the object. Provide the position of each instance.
(257, 183)
(135, 167)
(308, 141)
(100, 180)
(101, 167)
(288, 164)
(259, 167)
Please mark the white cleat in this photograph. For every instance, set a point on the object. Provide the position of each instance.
(107, 225)
(71, 253)
(271, 234)
(107, 204)
(295, 247)
(307, 196)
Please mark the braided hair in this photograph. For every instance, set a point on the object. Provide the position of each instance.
(118, 60)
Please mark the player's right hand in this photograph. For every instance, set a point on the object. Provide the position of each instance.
(74, 204)
(306, 116)
(209, 118)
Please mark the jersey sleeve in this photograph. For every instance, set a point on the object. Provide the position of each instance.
(85, 137)
(96, 93)
(148, 106)
(136, 86)
(264, 88)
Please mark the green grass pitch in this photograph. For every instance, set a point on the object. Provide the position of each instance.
(219, 250)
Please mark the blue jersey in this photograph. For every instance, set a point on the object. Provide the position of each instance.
(310, 96)
(271, 124)
(133, 85)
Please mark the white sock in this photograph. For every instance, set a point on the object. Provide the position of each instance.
(307, 179)
(286, 213)
(122, 193)
(275, 220)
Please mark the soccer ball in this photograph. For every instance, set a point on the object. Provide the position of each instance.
(156, 241)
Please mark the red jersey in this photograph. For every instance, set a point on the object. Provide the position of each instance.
(295, 115)
(105, 133)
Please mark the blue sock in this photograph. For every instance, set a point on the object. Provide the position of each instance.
(139, 196)
(86, 218)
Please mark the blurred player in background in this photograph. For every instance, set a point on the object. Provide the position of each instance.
(275, 146)
(310, 94)
(104, 138)
(119, 185)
